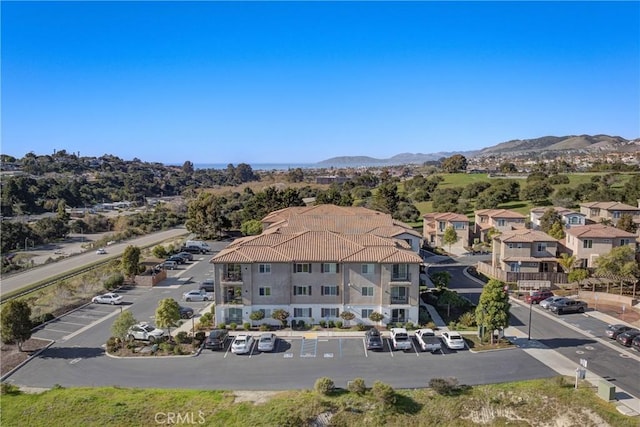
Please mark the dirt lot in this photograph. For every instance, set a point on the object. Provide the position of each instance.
(12, 357)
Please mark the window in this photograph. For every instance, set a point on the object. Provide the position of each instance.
(264, 292)
(588, 244)
(542, 247)
(302, 290)
(616, 214)
(329, 312)
(367, 291)
(595, 212)
(624, 242)
(501, 223)
(368, 268)
(265, 268)
(441, 225)
(459, 226)
(515, 245)
(302, 268)
(366, 312)
(266, 312)
(329, 290)
(400, 271)
(302, 312)
(329, 267)
(574, 220)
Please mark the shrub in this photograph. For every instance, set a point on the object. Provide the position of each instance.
(423, 316)
(361, 327)
(431, 325)
(222, 325)
(113, 344)
(444, 386)
(166, 347)
(264, 327)
(375, 316)
(453, 325)
(182, 337)
(409, 326)
(301, 324)
(8, 388)
(246, 326)
(324, 385)
(43, 318)
(323, 323)
(339, 324)
(113, 281)
(177, 350)
(331, 324)
(384, 393)
(205, 321)
(233, 326)
(294, 323)
(467, 319)
(357, 386)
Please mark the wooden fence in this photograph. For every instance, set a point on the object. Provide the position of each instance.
(512, 277)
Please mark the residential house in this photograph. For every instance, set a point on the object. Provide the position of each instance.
(500, 219)
(590, 241)
(434, 225)
(525, 251)
(570, 218)
(608, 211)
(316, 262)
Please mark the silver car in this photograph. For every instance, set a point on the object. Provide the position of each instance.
(267, 341)
(546, 303)
(195, 295)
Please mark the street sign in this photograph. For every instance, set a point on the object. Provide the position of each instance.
(583, 363)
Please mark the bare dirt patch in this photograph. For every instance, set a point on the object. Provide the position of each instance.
(257, 397)
(12, 357)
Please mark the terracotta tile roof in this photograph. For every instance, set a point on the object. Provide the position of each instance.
(313, 234)
(559, 209)
(598, 231)
(500, 213)
(446, 216)
(524, 236)
(610, 206)
(529, 259)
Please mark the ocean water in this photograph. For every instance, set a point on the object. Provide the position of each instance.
(258, 166)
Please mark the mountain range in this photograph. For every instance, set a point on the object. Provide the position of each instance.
(570, 143)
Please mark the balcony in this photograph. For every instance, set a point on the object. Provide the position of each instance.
(232, 295)
(401, 277)
(232, 277)
(399, 300)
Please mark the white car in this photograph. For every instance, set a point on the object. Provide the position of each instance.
(453, 340)
(195, 295)
(546, 303)
(242, 344)
(101, 251)
(144, 332)
(108, 298)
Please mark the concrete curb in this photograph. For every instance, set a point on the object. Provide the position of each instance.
(28, 359)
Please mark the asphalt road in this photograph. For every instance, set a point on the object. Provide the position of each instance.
(34, 275)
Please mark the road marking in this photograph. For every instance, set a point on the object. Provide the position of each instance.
(74, 361)
(328, 355)
(364, 345)
(390, 349)
(288, 355)
(588, 347)
(579, 352)
(625, 356)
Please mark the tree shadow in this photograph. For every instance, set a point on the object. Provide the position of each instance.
(72, 352)
(566, 342)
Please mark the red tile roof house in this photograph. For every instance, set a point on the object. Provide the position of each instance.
(526, 251)
(316, 262)
(500, 219)
(570, 218)
(588, 242)
(611, 211)
(434, 225)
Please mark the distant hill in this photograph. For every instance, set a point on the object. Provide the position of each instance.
(514, 147)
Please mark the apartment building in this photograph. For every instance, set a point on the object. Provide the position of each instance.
(609, 211)
(316, 262)
(570, 218)
(590, 241)
(500, 219)
(525, 251)
(434, 225)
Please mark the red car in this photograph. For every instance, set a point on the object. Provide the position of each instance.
(537, 296)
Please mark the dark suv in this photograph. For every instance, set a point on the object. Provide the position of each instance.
(537, 296)
(216, 339)
(373, 340)
(568, 306)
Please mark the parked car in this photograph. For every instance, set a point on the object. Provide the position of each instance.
(195, 295)
(373, 339)
(145, 332)
(537, 297)
(400, 339)
(186, 255)
(626, 338)
(193, 249)
(546, 304)
(186, 312)
(108, 298)
(267, 341)
(635, 343)
(453, 340)
(169, 265)
(177, 259)
(428, 341)
(614, 330)
(101, 251)
(216, 339)
(242, 344)
(568, 306)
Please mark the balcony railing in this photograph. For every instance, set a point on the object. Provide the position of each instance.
(232, 277)
(399, 300)
(403, 277)
(233, 300)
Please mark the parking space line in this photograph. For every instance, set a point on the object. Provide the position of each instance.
(390, 349)
(228, 349)
(364, 345)
(70, 323)
(415, 348)
(55, 330)
(340, 346)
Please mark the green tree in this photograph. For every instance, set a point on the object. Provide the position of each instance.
(206, 216)
(281, 315)
(347, 316)
(257, 315)
(441, 279)
(16, 322)
(450, 237)
(578, 275)
(620, 265)
(557, 231)
(548, 219)
(450, 299)
(455, 163)
(626, 223)
(375, 316)
(167, 314)
(295, 175)
(251, 228)
(121, 325)
(130, 261)
(159, 251)
(493, 310)
(536, 191)
(567, 262)
(386, 198)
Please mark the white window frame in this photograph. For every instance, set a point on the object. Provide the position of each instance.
(302, 290)
(587, 244)
(330, 267)
(366, 267)
(329, 290)
(366, 312)
(264, 291)
(302, 267)
(302, 312)
(541, 247)
(329, 312)
(367, 291)
(624, 242)
(264, 268)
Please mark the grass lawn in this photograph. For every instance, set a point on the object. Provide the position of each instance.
(474, 343)
(496, 404)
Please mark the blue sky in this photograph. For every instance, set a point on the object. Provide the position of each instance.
(288, 82)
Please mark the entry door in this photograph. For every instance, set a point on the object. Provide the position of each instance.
(398, 315)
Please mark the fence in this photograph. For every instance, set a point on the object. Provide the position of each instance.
(512, 277)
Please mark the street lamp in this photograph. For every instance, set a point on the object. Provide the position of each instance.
(530, 305)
